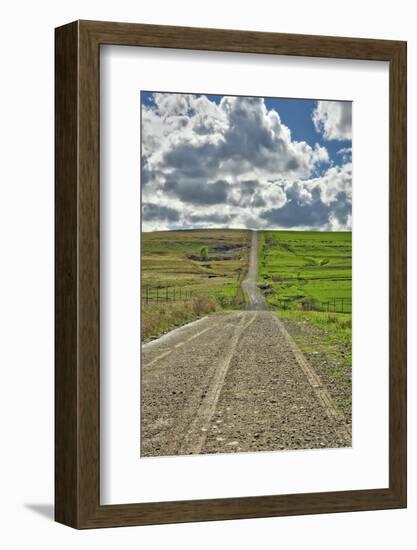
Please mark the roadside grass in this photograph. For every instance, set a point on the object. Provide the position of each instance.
(336, 330)
(161, 318)
(209, 263)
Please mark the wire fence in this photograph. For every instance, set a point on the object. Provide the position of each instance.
(165, 294)
(333, 305)
(160, 294)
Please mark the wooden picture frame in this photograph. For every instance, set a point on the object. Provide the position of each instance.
(77, 424)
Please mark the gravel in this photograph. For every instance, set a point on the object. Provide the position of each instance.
(265, 402)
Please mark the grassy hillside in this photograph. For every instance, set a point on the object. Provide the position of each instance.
(306, 270)
(185, 274)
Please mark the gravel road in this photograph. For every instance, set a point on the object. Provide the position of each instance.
(232, 383)
(255, 299)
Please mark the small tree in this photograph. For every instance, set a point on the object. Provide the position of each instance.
(204, 253)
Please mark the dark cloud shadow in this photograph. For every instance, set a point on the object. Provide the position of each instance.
(151, 211)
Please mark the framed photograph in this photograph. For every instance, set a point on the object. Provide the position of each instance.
(230, 274)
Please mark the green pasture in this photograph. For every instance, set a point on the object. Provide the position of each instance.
(308, 270)
(208, 263)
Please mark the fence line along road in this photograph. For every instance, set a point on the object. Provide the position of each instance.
(165, 294)
(334, 305)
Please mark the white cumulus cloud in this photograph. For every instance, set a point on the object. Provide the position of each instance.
(234, 164)
(333, 119)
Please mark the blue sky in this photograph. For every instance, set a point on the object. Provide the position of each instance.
(296, 114)
(230, 161)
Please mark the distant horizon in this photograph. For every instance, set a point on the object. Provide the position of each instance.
(256, 163)
(246, 229)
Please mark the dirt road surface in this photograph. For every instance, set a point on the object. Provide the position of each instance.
(255, 299)
(232, 383)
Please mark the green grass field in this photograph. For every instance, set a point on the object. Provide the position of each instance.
(204, 268)
(307, 270)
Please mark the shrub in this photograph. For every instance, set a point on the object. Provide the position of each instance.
(204, 253)
(203, 305)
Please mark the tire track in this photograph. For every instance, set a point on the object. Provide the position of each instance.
(323, 396)
(175, 346)
(197, 432)
(171, 395)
